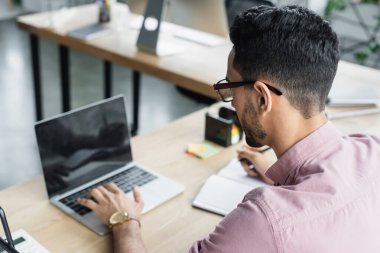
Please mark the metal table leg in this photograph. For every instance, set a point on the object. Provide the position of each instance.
(36, 75)
(136, 101)
(107, 79)
(65, 77)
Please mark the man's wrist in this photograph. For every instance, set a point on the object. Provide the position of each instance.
(127, 237)
(131, 222)
(126, 229)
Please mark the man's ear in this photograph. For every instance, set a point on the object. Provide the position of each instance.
(264, 101)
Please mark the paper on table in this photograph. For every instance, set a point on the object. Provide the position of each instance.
(352, 102)
(220, 195)
(223, 192)
(352, 113)
(90, 32)
(234, 171)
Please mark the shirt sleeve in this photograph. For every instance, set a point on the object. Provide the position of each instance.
(245, 229)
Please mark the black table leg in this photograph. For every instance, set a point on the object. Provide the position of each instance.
(36, 75)
(65, 77)
(107, 79)
(136, 101)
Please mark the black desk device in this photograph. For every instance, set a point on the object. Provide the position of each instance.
(7, 245)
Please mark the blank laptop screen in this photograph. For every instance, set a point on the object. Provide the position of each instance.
(82, 145)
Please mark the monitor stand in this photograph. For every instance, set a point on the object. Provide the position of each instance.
(148, 39)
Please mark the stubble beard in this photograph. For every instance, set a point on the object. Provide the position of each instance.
(254, 131)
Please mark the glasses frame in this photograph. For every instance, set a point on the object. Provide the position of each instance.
(230, 85)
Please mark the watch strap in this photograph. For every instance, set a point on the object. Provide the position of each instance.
(135, 219)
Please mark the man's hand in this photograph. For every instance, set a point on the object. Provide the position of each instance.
(260, 162)
(108, 199)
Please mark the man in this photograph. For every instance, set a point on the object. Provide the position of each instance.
(280, 71)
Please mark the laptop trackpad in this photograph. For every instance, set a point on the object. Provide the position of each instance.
(92, 221)
(157, 192)
(150, 197)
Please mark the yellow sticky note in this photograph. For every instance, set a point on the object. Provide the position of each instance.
(203, 150)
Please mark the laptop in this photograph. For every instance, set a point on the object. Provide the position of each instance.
(88, 147)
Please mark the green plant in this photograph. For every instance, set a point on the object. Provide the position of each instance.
(339, 5)
(362, 55)
(334, 5)
(373, 46)
(16, 2)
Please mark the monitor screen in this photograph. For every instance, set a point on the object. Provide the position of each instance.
(87, 143)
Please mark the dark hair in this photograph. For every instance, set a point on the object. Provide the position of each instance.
(290, 46)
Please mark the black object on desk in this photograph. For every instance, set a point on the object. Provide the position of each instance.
(223, 129)
(8, 245)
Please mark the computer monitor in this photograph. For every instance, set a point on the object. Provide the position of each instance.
(137, 6)
(204, 15)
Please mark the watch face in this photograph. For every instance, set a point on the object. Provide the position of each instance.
(118, 217)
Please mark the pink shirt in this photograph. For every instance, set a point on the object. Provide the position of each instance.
(327, 201)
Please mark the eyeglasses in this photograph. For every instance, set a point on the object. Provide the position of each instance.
(224, 88)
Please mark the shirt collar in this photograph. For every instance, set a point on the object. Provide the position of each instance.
(280, 171)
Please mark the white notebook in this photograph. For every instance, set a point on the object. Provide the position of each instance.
(352, 102)
(224, 191)
(354, 93)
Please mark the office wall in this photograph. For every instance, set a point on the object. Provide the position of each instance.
(43, 5)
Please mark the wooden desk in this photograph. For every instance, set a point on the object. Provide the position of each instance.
(195, 69)
(192, 69)
(175, 225)
(172, 227)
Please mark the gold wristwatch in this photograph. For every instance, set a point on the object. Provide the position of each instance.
(121, 217)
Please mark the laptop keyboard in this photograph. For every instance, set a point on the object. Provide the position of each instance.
(125, 180)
